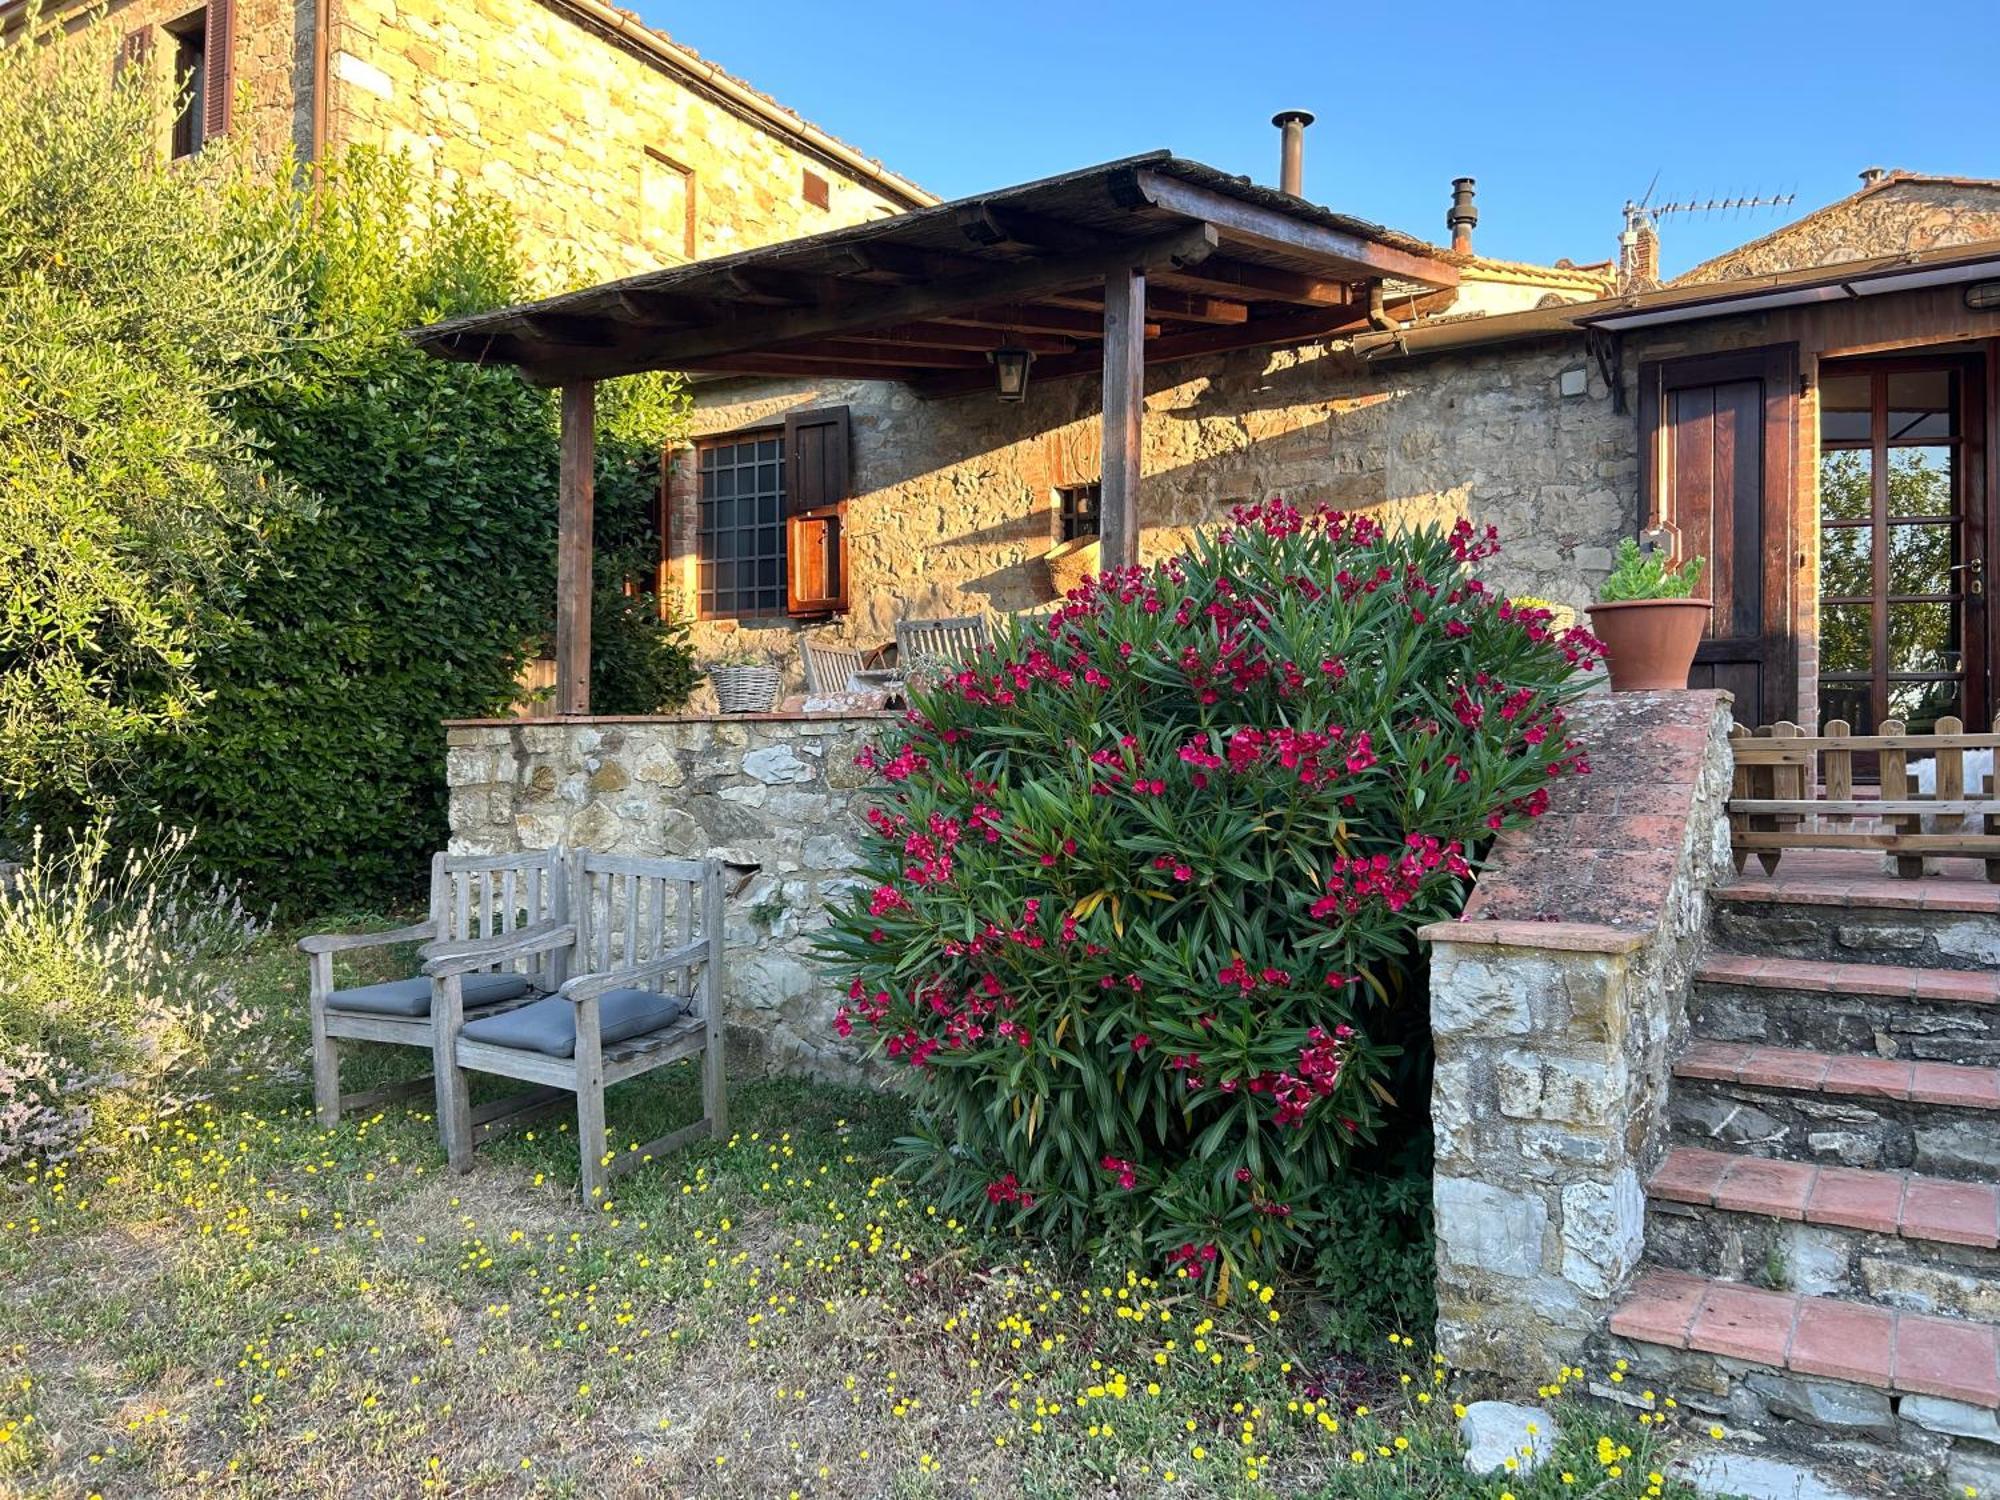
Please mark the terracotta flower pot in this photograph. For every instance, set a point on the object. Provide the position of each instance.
(1649, 643)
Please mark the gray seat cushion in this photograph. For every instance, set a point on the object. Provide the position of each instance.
(550, 1025)
(412, 997)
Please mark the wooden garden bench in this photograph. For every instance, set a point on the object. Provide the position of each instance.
(645, 948)
(473, 898)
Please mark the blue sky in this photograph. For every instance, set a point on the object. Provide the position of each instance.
(1561, 111)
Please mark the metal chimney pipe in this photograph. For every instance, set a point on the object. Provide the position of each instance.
(1462, 218)
(1292, 154)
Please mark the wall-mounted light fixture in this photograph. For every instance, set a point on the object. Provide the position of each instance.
(1982, 296)
(1011, 366)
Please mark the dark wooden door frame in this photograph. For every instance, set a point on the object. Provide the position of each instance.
(1976, 502)
(1777, 367)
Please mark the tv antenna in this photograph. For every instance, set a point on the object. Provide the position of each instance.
(1645, 212)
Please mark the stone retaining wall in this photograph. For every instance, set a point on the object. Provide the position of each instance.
(1556, 1003)
(777, 797)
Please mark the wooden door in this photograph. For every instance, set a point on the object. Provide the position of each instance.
(1902, 585)
(1719, 434)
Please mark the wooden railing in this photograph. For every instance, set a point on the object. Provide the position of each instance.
(1795, 790)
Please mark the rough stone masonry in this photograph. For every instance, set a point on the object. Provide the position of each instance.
(777, 797)
(1557, 1001)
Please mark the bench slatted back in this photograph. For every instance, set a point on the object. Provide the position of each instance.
(630, 909)
(829, 668)
(957, 638)
(491, 895)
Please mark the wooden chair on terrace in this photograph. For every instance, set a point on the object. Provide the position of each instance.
(644, 930)
(956, 639)
(482, 899)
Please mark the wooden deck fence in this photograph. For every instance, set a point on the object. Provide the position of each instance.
(1796, 790)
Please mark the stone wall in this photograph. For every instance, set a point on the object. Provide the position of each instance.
(955, 501)
(778, 799)
(273, 64)
(1901, 215)
(1557, 1001)
(595, 145)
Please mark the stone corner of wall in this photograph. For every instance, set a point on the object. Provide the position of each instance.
(1555, 1006)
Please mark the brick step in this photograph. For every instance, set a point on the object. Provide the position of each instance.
(1933, 924)
(1920, 1244)
(1870, 1112)
(1925, 1015)
(1945, 1371)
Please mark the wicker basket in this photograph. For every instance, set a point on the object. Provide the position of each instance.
(745, 690)
(1072, 564)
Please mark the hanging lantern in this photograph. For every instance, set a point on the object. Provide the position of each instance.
(1011, 366)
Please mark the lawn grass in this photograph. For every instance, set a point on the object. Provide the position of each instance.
(244, 1304)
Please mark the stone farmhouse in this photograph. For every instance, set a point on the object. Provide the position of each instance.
(621, 150)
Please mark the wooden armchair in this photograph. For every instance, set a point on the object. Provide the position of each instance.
(830, 669)
(956, 639)
(480, 899)
(644, 930)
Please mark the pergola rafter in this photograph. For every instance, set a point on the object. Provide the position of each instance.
(1104, 271)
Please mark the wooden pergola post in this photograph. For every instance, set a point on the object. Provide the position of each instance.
(574, 505)
(1124, 405)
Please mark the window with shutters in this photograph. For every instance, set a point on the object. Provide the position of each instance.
(189, 37)
(204, 78)
(770, 534)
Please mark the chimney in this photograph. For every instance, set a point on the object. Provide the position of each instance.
(1462, 218)
(1292, 155)
(1872, 175)
(1639, 257)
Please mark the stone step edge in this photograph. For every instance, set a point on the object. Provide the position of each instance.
(1884, 894)
(1795, 1070)
(1934, 1210)
(1906, 1353)
(1883, 981)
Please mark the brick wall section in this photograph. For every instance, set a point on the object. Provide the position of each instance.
(1556, 1002)
(778, 798)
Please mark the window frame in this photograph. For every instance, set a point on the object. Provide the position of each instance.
(770, 600)
(1073, 505)
(189, 35)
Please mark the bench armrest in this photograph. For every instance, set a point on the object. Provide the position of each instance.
(468, 955)
(342, 942)
(588, 986)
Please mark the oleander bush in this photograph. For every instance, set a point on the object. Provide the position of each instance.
(1138, 914)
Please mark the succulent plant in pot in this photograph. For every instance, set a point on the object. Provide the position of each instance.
(1648, 620)
(744, 683)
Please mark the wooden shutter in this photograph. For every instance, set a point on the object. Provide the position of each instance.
(133, 51)
(219, 65)
(818, 469)
(1719, 437)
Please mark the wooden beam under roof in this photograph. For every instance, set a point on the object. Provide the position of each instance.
(746, 333)
(1267, 229)
(1254, 283)
(1260, 333)
(952, 336)
(1035, 317)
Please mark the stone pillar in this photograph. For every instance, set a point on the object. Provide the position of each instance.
(1556, 1002)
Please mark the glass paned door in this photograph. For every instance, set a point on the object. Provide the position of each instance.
(1900, 588)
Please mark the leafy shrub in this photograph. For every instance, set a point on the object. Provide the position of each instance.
(1648, 575)
(423, 575)
(114, 1011)
(1138, 918)
(132, 298)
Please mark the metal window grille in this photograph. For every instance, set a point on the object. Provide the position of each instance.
(740, 546)
(1079, 510)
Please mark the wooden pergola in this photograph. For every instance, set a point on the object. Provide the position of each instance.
(1098, 272)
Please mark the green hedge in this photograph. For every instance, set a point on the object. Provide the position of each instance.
(419, 579)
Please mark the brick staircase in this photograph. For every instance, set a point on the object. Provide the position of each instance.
(1822, 1254)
